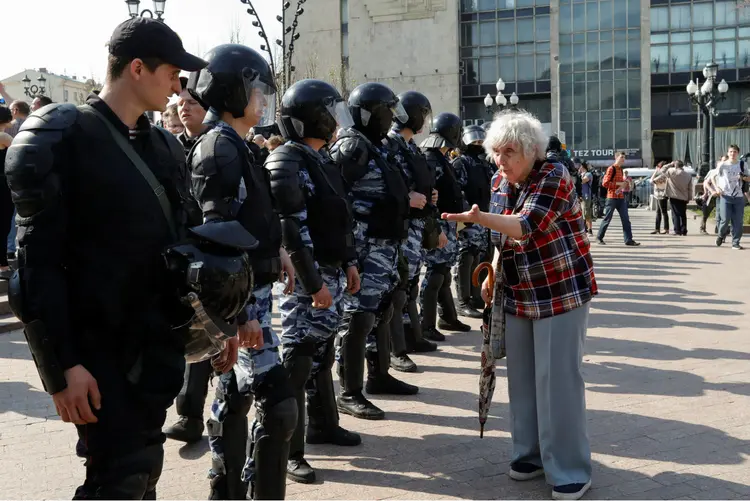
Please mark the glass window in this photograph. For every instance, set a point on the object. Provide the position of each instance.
(488, 51)
(660, 59)
(525, 30)
(592, 96)
(634, 13)
(579, 96)
(634, 93)
(542, 67)
(506, 49)
(579, 57)
(680, 15)
(606, 135)
(592, 133)
(542, 47)
(470, 71)
(566, 96)
(744, 15)
(466, 6)
(726, 33)
(507, 68)
(634, 133)
(487, 31)
(621, 133)
(579, 133)
(680, 37)
(506, 4)
(703, 15)
(621, 94)
(487, 5)
(743, 51)
(659, 18)
(703, 35)
(621, 12)
(469, 35)
(524, 3)
(664, 37)
(592, 16)
(701, 55)
(579, 14)
(725, 54)
(525, 48)
(634, 53)
(565, 19)
(605, 55)
(605, 15)
(526, 69)
(726, 13)
(621, 55)
(745, 32)
(679, 102)
(487, 70)
(542, 28)
(679, 58)
(592, 56)
(607, 114)
(506, 31)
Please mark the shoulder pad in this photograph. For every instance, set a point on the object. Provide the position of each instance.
(213, 152)
(283, 166)
(284, 161)
(350, 150)
(56, 117)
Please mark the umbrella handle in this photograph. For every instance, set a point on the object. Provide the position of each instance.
(490, 274)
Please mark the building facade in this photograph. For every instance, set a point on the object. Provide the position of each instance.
(608, 74)
(59, 88)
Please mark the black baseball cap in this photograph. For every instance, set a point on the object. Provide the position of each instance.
(141, 37)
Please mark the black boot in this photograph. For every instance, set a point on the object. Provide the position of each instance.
(323, 416)
(379, 381)
(400, 361)
(415, 342)
(463, 285)
(434, 279)
(351, 370)
(186, 429)
(298, 364)
(449, 319)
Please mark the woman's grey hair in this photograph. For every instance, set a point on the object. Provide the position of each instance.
(520, 128)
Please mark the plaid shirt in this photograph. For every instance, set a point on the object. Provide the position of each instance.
(611, 178)
(548, 271)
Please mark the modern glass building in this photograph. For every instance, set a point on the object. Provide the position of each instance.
(621, 67)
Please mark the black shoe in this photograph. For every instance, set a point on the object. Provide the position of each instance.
(338, 436)
(456, 326)
(525, 471)
(186, 429)
(385, 384)
(359, 407)
(655, 232)
(300, 471)
(600, 241)
(424, 346)
(570, 491)
(465, 310)
(403, 363)
(719, 241)
(703, 231)
(632, 243)
(477, 303)
(432, 334)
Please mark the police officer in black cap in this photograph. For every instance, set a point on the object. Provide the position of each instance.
(100, 194)
(474, 175)
(380, 205)
(229, 185)
(316, 223)
(445, 134)
(420, 179)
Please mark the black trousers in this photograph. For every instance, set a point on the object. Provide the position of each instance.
(707, 209)
(661, 212)
(679, 215)
(192, 398)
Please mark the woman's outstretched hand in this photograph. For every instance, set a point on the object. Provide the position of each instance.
(470, 216)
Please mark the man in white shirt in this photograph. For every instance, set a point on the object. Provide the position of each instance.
(729, 178)
(711, 197)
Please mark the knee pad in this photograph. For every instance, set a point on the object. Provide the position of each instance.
(280, 419)
(274, 387)
(298, 365)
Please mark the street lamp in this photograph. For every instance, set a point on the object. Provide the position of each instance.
(33, 90)
(706, 97)
(134, 9)
(500, 100)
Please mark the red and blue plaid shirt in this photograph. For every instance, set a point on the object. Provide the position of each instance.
(549, 270)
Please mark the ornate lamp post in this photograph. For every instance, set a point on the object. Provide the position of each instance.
(33, 91)
(500, 100)
(134, 9)
(706, 97)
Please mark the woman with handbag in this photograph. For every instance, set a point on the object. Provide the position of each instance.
(547, 283)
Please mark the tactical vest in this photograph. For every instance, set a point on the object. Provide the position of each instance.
(388, 218)
(477, 188)
(424, 182)
(329, 217)
(450, 198)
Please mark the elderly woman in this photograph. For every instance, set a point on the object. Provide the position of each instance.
(547, 284)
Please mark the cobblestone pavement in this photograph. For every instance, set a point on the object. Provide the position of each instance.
(666, 369)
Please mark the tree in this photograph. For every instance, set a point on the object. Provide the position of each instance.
(235, 32)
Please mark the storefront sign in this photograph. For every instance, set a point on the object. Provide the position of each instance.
(596, 154)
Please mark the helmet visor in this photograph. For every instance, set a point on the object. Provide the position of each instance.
(426, 124)
(399, 113)
(472, 136)
(340, 112)
(259, 94)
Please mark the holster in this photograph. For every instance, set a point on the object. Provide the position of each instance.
(431, 234)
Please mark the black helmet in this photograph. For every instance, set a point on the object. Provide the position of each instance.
(444, 132)
(471, 134)
(486, 126)
(212, 273)
(313, 108)
(554, 144)
(418, 109)
(233, 75)
(373, 106)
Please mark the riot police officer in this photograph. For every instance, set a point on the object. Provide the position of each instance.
(445, 134)
(229, 185)
(421, 181)
(316, 223)
(380, 205)
(100, 193)
(474, 174)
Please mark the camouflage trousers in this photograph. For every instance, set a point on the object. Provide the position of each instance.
(412, 247)
(379, 275)
(474, 237)
(303, 324)
(243, 380)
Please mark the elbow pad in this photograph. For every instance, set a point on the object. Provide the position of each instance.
(301, 255)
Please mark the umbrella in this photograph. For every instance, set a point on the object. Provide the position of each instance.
(493, 344)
